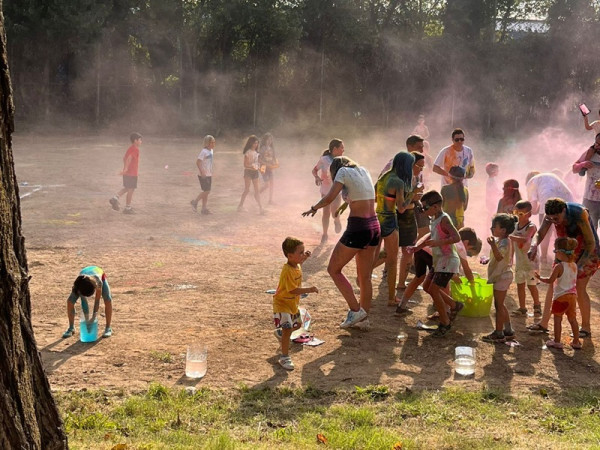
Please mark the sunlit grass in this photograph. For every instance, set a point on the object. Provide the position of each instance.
(369, 417)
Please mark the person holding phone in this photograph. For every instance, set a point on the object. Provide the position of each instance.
(595, 125)
(588, 165)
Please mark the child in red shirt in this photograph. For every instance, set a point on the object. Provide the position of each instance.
(130, 174)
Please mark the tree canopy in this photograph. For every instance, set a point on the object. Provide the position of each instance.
(218, 64)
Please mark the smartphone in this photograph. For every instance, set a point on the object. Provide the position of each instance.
(584, 109)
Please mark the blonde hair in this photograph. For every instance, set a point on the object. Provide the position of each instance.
(566, 245)
(207, 140)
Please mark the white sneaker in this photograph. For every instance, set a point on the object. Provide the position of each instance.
(286, 362)
(364, 325)
(353, 317)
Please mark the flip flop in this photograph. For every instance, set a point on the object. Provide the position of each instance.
(537, 328)
(576, 346)
(551, 343)
(583, 333)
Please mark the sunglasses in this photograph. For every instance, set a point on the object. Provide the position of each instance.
(459, 139)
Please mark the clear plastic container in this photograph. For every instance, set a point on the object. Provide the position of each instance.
(196, 363)
(464, 360)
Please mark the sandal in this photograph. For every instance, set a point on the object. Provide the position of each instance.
(576, 346)
(520, 312)
(434, 316)
(551, 343)
(583, 333)
(538, 328)
(454, 312)
(402, 310)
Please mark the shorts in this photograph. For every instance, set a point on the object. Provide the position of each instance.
(267, 175)
(388, 224)
(525, 276)
(589, 268)
(251, 173)
(566, 303)
(407, 228)
(503, 283)
(441, 279)
(423, 260)
(205, 183)
(130, 182)
(287, 321)
(361, 232)
(423, 219)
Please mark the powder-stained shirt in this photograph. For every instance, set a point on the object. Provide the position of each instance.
(445, 258)
(547, 185)
(283, 300)
(448, 158)
(498, 268)
(357, 183)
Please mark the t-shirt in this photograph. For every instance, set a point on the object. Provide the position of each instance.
(323, 167)
(522, 262)
(132, 169)
(547, 185)
(445, 258)
(206, 166)
(283, 300)
(498, 268)
(448, 158)
(357, 183)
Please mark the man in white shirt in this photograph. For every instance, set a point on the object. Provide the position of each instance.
(456, 154)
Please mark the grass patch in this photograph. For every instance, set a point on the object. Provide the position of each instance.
(164, 357)
(372, 417)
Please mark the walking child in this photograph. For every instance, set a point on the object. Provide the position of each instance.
(268, 163)
(251, 172)
(564, 299)
(445, 257)
(286, 314)
(91, 281)
(510, 197)
(130, 174)
(205, 169)
(524, 267)
(500, 274)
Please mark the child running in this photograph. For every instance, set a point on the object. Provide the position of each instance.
(564, 299)
(500, 274)
(130, 174)
(91, 281)
(524, 267)
(510, 197)
(205, 167)
(445, 257)
(286, 314)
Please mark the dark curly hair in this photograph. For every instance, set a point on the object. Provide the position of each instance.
(506, 221)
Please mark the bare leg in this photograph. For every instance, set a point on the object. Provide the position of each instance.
(286, 334)
(501, 311)
(335, 204)
(521, 294)
(364, 267)
(547, 312)
(572, 317)
(533, 290)
(405, 260)
(557, 327)
(583, 300)
(257, 194)
(325, 221)
(128, 197)
(245, 193)
(108, 312)
(391, 262)
(438, 302)
(341, 256)
(410, 289)
(71, 314)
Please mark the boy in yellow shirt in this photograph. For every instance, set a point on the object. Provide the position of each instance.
(286, 314)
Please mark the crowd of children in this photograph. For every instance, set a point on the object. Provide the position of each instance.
(438, 255)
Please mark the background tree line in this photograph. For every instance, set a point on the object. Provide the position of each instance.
(222, 64)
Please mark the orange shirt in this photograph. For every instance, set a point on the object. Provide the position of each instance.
(132, 152)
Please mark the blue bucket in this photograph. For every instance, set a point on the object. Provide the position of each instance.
(84, 334)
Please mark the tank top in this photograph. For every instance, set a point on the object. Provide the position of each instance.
(445, 258)
(566, 283)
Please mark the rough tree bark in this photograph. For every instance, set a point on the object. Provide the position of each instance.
(29, 418)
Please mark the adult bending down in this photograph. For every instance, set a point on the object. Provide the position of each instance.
(360, 239)
(571, 220)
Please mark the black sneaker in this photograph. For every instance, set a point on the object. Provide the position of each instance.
(206, 212)
(114, 202)
(509, 336)
(128, 210)
(494, 337)
(441, 331)
(194, 204)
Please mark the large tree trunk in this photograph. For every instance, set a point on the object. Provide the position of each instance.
(29, 418)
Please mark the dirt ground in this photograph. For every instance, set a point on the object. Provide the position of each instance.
(179, 277)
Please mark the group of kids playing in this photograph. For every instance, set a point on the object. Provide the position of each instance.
(438, 256)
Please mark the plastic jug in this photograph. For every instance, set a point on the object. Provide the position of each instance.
(464, 360)
(196, 360)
